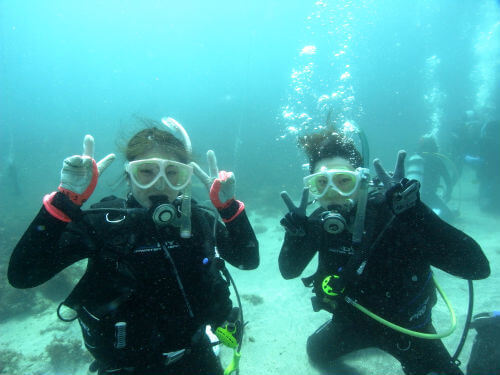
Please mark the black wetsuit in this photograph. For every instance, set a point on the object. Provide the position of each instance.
(396, 283)
(165, 288)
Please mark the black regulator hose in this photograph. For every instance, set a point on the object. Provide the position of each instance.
(465, 332)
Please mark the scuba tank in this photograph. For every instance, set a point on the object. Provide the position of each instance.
(415, 168)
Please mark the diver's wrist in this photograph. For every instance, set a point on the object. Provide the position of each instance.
(60, 206)
(232, 211)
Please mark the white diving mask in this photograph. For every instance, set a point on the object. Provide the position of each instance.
(343, 181)
(146, 172)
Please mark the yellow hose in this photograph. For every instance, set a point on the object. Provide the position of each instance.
(429, 336)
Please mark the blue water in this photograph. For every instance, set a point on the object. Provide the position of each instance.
(224, 70)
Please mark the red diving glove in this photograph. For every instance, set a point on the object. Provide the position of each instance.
(79, 176)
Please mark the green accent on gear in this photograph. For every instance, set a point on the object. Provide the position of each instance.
(327, 289)
(429, 336)
(226, 336)
(235, 363)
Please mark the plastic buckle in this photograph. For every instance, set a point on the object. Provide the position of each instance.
(172, 357)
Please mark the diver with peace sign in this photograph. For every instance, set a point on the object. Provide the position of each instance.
(153, 282)
(376, 242)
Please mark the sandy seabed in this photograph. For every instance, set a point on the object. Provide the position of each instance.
(279, 313)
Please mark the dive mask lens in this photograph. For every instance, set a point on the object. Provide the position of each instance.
(317, 184)
(346, 182)
(145, 173)
(178, 174)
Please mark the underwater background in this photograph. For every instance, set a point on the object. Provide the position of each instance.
(244, 78)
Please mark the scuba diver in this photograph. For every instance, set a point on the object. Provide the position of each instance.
(488, 159)
(375, 248)
(461, 138)
(476, 143)
(153, 280)
(430, 169)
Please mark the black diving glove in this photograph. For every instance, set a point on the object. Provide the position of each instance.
(401, 194)
(231, 331)
(295, 220)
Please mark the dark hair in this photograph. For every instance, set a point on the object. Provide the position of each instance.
(155, 137)
(329, 144)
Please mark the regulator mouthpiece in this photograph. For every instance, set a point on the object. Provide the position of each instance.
(164, 214)
(333, 222)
